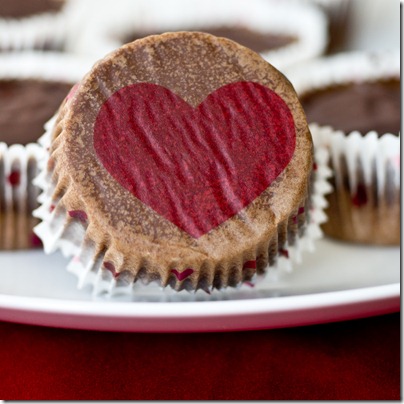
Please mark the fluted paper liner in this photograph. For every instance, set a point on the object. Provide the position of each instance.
(284, 251)
(365, 205)
(18, 196)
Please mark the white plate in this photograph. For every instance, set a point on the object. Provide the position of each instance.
(337, 282)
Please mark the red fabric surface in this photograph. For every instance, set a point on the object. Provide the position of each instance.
(350, 360)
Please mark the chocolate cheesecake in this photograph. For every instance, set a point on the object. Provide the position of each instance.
(365, 206)
(361, 106)
(25, 106)
(181, 158)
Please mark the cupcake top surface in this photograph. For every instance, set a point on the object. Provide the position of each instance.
(26, 105)
(23, 8)
(360, 106)
(180, 148)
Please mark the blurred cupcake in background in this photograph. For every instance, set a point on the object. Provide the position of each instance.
(33, 24)
(361, 24)
(284, 33)
(44, 25)
(340, 19)
(352, 102)
(32, 86)
(374, 25)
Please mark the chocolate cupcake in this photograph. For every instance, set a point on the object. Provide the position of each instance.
(31, 89)
(284, 33)
(32, 25)
(340, 22)
(352, 102)
(181, 158)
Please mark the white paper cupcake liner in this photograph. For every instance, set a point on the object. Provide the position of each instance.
(88, 266)
(18, 197)
(115, 19)
(40, 31)
(368, 160)
(18, 164)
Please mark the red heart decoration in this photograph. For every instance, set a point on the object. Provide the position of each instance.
(196, 167)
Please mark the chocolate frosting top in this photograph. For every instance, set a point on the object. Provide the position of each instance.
(24, 8)
(364, 107)
(26, 105)
(180, 148)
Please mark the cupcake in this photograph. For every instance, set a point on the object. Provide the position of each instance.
(181, 158)
(284, 33)
(46, 25)
(34, 25)
(352, 102)
(340, 22)
(31, 89)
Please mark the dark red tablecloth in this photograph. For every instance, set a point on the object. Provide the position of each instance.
(350, 360)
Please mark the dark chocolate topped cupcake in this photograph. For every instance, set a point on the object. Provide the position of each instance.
(284, 34)
(25, 106)
(32, 86)
(33, 25)
(353, 105)
(360, 106)
(340, 23)
(171, 167)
